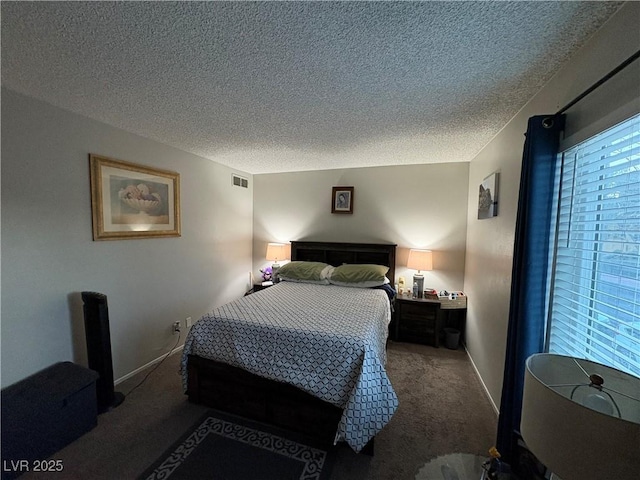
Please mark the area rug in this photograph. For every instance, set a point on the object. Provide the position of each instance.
(225, 447)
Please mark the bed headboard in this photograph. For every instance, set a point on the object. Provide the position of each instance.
(337, 253)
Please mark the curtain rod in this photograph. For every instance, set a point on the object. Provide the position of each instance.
(613, 72)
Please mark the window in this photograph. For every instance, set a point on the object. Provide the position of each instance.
(594, 301)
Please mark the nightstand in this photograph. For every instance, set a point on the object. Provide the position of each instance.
(256, 288)
(418, 320)
(421, 320)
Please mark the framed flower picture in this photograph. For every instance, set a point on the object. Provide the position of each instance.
(133, 201)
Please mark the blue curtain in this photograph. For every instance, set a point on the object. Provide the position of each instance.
(526, 331)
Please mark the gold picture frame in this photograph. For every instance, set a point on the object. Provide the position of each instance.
(131, 201)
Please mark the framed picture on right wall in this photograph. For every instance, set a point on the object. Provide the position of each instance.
(488, 197)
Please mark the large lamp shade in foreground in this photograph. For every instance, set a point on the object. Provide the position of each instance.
(581, 419)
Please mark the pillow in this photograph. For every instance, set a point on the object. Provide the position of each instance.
(361, 276)
(305, 272)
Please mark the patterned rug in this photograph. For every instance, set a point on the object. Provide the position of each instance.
(221, 446)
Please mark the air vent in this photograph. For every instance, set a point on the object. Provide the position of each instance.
(239, 181)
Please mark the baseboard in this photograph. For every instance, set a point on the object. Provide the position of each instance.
(147, 365)
(484, 386)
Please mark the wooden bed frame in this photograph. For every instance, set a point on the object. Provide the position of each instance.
(236, 391)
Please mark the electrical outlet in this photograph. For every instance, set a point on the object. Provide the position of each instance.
(187, 322)
(176, 327)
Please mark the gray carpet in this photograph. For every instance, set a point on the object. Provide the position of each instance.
(443, 409)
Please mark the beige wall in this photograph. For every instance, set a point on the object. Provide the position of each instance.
(418, 206)
(48, 256)
(490, 242)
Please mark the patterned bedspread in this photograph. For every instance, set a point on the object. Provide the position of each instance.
(324, 339)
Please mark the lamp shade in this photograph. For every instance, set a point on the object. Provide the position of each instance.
(420, 259)
(581, 419)
(276, 251)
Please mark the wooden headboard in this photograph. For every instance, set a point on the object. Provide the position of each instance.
(338, 253)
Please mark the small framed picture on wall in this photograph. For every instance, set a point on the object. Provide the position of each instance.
(488, 197)
(342, 200)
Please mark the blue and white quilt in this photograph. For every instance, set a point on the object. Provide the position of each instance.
(324, 339)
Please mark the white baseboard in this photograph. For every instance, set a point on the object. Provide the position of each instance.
(144, 367)
(486, 390)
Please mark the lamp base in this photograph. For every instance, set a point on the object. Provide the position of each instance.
(274, 272)
(419, 279)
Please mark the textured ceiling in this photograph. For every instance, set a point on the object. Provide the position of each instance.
(291, 86)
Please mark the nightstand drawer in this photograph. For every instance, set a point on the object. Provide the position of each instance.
(418, 312)
(418, 324)
(418, 321)
(417, 332)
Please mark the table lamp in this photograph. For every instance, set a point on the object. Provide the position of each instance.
(420, 260)
(275, 252)
(581, 419)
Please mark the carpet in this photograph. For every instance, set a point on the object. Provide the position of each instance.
(455, 466)
(221, 446)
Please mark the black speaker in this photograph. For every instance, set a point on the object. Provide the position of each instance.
(96, 327)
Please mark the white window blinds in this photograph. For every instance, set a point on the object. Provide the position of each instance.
(594, 302)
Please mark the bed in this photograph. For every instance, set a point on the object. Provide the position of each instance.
(301, 356)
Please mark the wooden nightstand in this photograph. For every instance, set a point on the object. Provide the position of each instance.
(421, 320)
(418, 321)
(256, 288)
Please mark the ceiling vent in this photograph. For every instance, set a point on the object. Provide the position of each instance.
(239, 181)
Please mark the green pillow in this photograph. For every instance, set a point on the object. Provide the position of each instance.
(353, 275)
(311, 272)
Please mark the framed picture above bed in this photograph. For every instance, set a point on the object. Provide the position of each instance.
(342, 200)
(133, 201)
